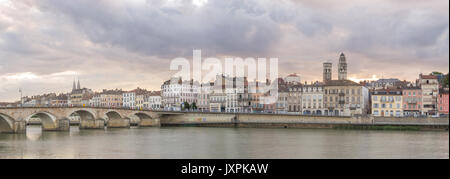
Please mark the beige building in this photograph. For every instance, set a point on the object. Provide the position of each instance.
(107, 98)
(294, 99)
(153, 101)
(345, 98)
(387, 102)
(312, 99)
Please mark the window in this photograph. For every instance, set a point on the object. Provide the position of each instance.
(375, 112)
(375, 105)
(397, 113)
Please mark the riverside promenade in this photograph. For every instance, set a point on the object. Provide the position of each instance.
(301, 121)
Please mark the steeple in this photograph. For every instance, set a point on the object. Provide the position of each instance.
(78, 85)
(342, 69)
(74, 87)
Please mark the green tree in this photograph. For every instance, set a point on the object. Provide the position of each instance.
(194, 106)
(186, 105)
(444, 81)
(436, 73)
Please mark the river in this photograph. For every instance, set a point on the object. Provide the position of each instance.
(230, 143)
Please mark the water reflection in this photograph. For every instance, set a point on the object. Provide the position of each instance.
(223, 143)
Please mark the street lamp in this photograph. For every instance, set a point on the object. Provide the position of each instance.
(21, 102)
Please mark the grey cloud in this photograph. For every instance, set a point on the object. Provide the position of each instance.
(226, 28)
(122, 44)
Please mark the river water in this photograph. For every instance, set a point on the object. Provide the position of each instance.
(232, 143)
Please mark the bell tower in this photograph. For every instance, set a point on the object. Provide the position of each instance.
(327, 71)
(342, 69)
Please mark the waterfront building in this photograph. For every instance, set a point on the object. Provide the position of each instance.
(278, 89)
(312, 99)
(282, 104)
(430, 89)
(387, 102)
(443, 102)
(85, 100)
(60, 101)
(345, 98)
(112, 98)
(256, 96)
(294, 99)
(204, 95)
(176, 92)
(140, 100)
(95, 101)
(133, 99)
(29, 102)
(236, 94)
(153, 100)
(218, 97)
(412, 101)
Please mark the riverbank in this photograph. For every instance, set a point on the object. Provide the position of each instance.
(304, 122)
(317, 126)
(296, 121)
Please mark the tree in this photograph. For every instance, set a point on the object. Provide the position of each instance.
(186, 105)
(194, 106)
(444, 81)
(436, 73)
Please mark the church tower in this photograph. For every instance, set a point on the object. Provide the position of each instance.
(78, 85)
(74, 86)
(327, 71)
(342, 69)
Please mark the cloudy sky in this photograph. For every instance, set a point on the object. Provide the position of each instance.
(45, 44)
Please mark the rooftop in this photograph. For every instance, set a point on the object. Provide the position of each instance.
(341, 83)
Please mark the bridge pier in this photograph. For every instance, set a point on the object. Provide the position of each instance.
(118, 123)
(149, 123)
(92, 124)
(58, 125)
(19, 127)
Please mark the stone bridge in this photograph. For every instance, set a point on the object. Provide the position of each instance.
(14, 120)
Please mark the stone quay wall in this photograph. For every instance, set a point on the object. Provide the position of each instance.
(295, 121)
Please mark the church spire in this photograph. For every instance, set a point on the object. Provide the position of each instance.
(74, 87)
(78, 85)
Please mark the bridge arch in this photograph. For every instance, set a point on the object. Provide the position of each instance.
(142, 115)
(48, 120)
(89, 118)
(113, 115)
(6, 123)
(146, 119)
(83, 114)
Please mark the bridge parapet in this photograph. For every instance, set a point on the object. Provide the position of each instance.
(56, 118)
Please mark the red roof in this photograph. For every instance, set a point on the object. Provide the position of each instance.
(428, 77)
